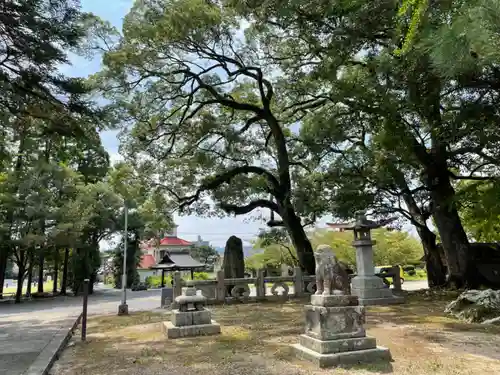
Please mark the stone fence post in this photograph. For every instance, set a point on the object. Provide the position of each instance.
(298, 282)
(260, 285)
(396, 278)
(177, 279)
(220, 288)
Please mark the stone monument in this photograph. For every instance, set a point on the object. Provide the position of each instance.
(191, 318)
(334, 332)
(369, 288)
(233, 262)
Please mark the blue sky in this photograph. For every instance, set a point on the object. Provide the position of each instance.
(217, 231)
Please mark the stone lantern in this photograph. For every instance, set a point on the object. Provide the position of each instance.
(369, 288)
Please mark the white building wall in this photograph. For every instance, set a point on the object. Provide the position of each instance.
(146, 273)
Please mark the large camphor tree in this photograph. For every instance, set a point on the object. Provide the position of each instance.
(441, 125)
(205, 117)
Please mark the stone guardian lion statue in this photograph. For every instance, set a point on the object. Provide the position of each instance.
(330, 274)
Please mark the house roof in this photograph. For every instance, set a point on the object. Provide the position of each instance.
(177, 261)
(174, 241)
(166, 241)
(147, 261)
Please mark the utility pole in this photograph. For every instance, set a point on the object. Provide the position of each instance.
(123, 308)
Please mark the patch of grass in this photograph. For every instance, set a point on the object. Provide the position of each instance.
(47, 287)
(107, 323)
(256, 340)
(420, 275)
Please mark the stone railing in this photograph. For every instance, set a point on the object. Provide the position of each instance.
(221, 290)
(258, 288)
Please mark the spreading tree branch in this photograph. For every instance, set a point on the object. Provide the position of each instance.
(241, 210)
(226, 177)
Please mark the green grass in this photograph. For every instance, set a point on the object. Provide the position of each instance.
(421, 275)
(47, 287)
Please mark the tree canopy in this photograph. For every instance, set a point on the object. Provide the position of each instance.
(392, 247)
(299, 109)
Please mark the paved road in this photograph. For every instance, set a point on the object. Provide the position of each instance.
(21, 341)
(27, 328)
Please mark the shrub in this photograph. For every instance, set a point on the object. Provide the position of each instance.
(155, 281)
(201, 276)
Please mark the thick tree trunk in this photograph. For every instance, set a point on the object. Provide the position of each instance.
(436, 275)
(41, 264)
(20, 281)
(305, 253)
(64, 282)
(30, 273)
(436, 271)
(451, 231)
(3, 267)
(56, 274)
(20, 276)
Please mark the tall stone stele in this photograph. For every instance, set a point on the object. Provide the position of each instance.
(233, 262)
(369, 288)
(334, 332)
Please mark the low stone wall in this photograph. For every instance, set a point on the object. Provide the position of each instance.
(249, 289)
(266, 288)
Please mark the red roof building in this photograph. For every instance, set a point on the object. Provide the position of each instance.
(156, 251)
(174, 241)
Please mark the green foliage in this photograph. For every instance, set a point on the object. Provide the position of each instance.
(277, 250)
(480, 210)
(85, 261)
(207, 119)
(201, 276)
(417, 9)
(205, 254)
(133, 260)
(155, 281)
(39, 35)
(392, 247)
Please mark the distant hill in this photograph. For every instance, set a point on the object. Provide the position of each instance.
(247, 250)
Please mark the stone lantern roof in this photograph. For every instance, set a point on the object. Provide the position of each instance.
(362, 222)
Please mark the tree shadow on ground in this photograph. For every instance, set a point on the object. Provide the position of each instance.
(256, 340)
(428, 321)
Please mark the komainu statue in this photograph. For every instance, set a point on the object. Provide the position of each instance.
(330, 275)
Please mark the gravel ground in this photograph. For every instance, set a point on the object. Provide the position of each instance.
(256, 340)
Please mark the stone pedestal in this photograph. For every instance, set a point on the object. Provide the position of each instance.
(371, 290)
(122, 309)
(167, 296)
(335, 334)
(191, 319)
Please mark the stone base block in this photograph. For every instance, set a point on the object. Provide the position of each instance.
(345, 358)
(333, 300)
(337, 346)
(122, 309)
(393, 300)
(190, 318)
(372, 293)
(332, 323)
(173, 332)
(367, 283)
